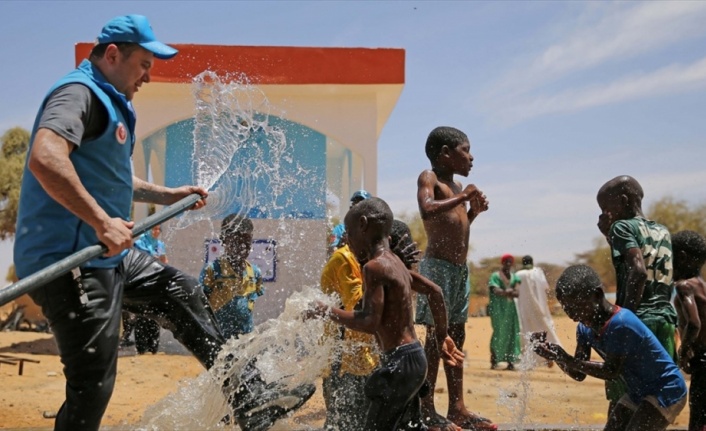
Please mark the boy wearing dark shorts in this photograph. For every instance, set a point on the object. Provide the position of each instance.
(387, 312)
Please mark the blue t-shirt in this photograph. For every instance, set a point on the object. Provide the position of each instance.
(648, 369)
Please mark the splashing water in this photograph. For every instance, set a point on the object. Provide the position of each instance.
(235, 148)
(288, 350)
(237, 152)
(516, 398)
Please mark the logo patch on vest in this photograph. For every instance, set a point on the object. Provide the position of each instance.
(121, 133)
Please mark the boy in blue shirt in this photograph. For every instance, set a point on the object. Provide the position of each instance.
(656, 390)
(231, 283)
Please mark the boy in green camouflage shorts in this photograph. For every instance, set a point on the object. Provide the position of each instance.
(642, 256)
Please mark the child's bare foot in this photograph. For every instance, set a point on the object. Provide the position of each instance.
(471, 421)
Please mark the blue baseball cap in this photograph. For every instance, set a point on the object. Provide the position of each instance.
(135, 29)
(361, 194)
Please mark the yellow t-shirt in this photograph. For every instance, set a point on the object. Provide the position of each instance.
(342, 275)
(223, 283)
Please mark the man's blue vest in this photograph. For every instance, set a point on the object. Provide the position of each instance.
(46, 231)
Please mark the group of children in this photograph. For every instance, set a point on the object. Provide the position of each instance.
(635, 337)
(400, 391)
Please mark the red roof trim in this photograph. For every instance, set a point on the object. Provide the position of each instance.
(279, 65)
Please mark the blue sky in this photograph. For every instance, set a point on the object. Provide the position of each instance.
(556, 97)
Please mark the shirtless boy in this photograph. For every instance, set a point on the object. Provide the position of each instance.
(447, 220)
(689, 256)
(387, 312)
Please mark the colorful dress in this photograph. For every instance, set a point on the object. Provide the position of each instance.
(505, 342)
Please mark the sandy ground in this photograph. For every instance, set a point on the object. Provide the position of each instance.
(540, 396)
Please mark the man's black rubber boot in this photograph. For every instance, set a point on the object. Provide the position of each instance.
(262, 411)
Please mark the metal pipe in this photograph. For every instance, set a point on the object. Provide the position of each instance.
(77, 259)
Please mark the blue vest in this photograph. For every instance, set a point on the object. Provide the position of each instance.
(46, 231)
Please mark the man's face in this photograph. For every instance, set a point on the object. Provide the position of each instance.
(131, 70)
(156, 231)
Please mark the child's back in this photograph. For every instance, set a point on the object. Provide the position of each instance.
(654, 241)
(397, 325)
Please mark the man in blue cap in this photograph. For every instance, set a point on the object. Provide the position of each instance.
(77, 190)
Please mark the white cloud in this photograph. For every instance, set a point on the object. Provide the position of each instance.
(619, 34)
(668, 80)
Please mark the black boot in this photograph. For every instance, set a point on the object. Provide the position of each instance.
(258, 405)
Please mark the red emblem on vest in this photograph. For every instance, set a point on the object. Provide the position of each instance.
(121, 133)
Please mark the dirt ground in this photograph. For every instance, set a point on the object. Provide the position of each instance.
(541, 396)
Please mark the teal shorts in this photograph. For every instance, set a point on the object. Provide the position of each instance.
(453, 280)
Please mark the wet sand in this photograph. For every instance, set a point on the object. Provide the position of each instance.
(552, 397)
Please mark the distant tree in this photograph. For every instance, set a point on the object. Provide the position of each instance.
(14, 149)
(480, 273)
(599, 259)
(678, 215)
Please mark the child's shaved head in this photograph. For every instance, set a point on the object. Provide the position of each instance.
(578, 281)
(377, 213)
(623, 185)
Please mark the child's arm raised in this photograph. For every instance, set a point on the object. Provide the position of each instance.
(428, 206)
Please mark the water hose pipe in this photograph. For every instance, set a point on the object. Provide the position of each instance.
(77, 259)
